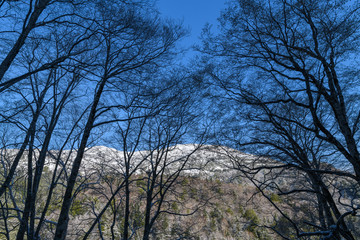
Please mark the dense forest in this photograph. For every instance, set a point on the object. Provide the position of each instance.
(106, 134)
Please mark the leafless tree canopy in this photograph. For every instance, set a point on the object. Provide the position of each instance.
(103, 135)
(290, 69)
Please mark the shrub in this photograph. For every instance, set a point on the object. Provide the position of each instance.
(275, 198)
(253, 219)
(229, 211)
(175, 207)
(77, 208)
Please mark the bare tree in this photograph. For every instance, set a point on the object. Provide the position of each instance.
(36, 25)
(164, 167)
(64, 66)
(129, 42)
(159, 116)
(285, 66)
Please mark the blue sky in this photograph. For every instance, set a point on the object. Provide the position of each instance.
(194, 13)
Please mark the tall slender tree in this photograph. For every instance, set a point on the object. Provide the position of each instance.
(285, 65)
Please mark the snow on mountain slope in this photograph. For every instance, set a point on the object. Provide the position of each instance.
(205, 161)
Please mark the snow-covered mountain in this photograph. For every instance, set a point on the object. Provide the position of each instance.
(205, 161)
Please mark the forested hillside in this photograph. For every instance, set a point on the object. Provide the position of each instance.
(207, 201)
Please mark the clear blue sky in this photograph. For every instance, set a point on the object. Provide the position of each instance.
(194, 13)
